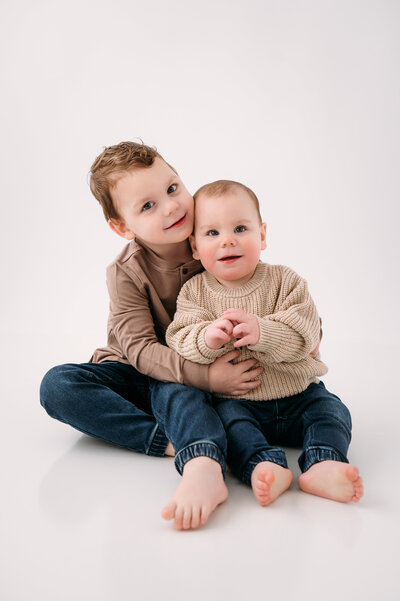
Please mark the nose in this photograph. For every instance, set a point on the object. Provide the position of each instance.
(228, 240)
(170, 207)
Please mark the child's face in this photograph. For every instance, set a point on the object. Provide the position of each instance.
(228, 236)
(154, 206)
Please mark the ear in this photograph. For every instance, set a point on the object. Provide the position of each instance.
(263, 233)
(192, 241)
(120, 228)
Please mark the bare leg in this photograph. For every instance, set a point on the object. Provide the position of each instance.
(201, 490)
(269, 480)
(333, 480)
(170, 451)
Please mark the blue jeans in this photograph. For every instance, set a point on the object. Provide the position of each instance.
(190, 422)
(108, 400)
(315, 420)
(114, 402)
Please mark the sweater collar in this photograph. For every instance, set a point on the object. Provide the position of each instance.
(258, 277)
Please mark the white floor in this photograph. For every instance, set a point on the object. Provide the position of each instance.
(80, 518)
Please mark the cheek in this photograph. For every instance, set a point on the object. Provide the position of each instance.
(252, 249)
(206, 256)
(189, 203)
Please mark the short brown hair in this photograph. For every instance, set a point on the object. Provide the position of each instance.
(111, 164)
(222, 186)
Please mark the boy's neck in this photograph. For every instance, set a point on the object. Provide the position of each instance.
(173, 253)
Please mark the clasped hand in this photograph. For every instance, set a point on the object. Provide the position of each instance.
(236, 325)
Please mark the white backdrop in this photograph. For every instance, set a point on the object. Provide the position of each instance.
(297, 99)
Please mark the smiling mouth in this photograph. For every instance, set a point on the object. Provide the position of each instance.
(180, 221)
(230, 258)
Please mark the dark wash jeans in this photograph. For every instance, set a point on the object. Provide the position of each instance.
(114, 402)
(189, 421)
(315, 420)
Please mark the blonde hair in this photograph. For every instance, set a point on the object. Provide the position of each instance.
(112, 164)
(222, 186)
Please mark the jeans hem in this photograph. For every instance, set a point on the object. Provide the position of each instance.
(277, 457)
(313, 455)
(158, 443)
(200, 448)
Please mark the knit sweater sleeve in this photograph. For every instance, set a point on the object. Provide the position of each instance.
(293, 330)
(185, 334)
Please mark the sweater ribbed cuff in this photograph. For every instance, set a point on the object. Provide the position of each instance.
(274, 337)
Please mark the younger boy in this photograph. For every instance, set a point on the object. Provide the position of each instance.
(112, 396)
(267, 312)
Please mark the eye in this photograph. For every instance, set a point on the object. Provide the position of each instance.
(212, 233)
(148, 205)
(172, 188)
(240, 228)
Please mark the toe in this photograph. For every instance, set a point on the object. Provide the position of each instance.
(168, 513)
(262, 486)
(268, 477)
(352, 473)
(187, 518)
(359, 492)
(195, 517)
(204, 514)
(178, 522)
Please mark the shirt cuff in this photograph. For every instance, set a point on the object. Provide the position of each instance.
(196, 375)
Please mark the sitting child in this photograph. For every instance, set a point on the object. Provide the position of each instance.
(266, 311)
(136, 392)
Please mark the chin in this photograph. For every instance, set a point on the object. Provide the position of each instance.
(231, 277)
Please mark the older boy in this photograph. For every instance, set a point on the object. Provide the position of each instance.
(267, 312)
(111, 397)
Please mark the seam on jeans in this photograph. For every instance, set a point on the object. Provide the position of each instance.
(342, 426)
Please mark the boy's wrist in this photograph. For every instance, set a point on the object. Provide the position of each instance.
(204, 349)
(196, 375)
(208, 340)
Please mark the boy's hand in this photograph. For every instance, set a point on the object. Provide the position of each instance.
(246, 328)
(218, 333)
(235, 380)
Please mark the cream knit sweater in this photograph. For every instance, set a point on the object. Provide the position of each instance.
(288, 319)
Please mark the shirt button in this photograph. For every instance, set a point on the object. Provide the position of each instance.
(184, 271)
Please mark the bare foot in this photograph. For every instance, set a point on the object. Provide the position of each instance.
(170, 451)
(201, 490)
(269, 480)
(333, 480)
